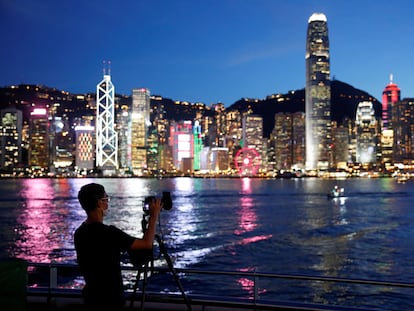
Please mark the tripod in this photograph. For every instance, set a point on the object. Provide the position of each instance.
(145, 260)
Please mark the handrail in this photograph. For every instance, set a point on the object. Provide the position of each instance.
(53, 286)
(253, 275)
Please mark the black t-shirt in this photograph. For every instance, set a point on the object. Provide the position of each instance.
(98, 248)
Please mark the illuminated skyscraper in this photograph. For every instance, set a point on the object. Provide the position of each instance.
(403, 126)
(11, 121)
(318, 93)
(366, 133)
(84, 147)
(198, 145)
(182, 142)
(39, 140)
(283, 141)
(298, 140)
(253, 136)
(140, 121)
(390, 99)
(106, 136)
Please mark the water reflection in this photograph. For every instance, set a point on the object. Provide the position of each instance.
(285, 226)
(246, 213)
(183, 223)
(38, 223)
(248, 222)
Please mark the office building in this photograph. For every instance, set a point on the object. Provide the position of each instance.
(318, 93)
(298, 141)
(390, 98)
(11, 122)
(252, 126)
(106, 135)
(283, 141)
(403, 125)
(85, 147)
(182, 143)
(39, 151)
(140, 123)
(366, 127)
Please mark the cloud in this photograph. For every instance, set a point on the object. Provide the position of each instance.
(260, 53)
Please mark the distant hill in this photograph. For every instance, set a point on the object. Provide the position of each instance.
(344, 101)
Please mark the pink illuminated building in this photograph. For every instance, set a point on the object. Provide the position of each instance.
(390, 101)
(390, 97)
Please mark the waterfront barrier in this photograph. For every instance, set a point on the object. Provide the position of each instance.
(55, 290)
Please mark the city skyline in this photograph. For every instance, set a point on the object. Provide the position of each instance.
(212, 51)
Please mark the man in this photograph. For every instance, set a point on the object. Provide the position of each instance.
(99, 247)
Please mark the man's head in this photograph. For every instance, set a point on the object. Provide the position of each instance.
(89, 195)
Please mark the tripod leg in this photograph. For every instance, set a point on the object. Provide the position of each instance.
(167, 257)
(144, 285)
(135, 288)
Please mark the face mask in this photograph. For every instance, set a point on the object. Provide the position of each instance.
(105, 212)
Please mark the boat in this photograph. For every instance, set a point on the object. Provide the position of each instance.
(336, 192)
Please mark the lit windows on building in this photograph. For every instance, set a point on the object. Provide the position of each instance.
(366, 127)
(140, 122)
(106, 135)
(10, 139)
(403, 124)
(283, 141)
(85, 147)
(318, 94)
(198, 145)
(182, 142)
(253, 135)
(390, 98)
(39, 153)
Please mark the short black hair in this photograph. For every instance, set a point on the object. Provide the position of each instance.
(89, 195)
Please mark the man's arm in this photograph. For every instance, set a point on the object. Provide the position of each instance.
(148, 239)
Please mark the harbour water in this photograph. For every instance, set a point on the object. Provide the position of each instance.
(284, 226)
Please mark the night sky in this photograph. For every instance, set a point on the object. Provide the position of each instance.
(202, 51)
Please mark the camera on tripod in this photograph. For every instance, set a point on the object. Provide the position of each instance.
(166, 202)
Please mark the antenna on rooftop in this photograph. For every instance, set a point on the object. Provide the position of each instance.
(391, 78)
(103, 67)
(109, 67)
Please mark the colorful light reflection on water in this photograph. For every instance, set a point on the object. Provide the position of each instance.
(245, 224)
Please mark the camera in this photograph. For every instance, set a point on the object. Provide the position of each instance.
(166, 202)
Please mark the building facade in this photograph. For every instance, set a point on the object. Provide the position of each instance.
(39, 148)
(140, 122)
(106, 135)
(318, 93)
(366, 127)
(11, 122)
(390, 99)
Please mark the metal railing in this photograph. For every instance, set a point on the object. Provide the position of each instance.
(52, 287)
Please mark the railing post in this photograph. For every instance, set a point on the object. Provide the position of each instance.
(53, 277)
(52, 285)
(255, 286)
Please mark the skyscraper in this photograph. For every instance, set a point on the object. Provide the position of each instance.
(390, 101)
(140, 121)
(11, 122)
(39, 151)
(390, 97)
(106, 136)
(318, 93)
(366, 133)
(84, 147)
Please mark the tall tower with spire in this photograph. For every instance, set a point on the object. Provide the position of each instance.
(106, 136)
(390, 101)
(318, 94)
(390, 97)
